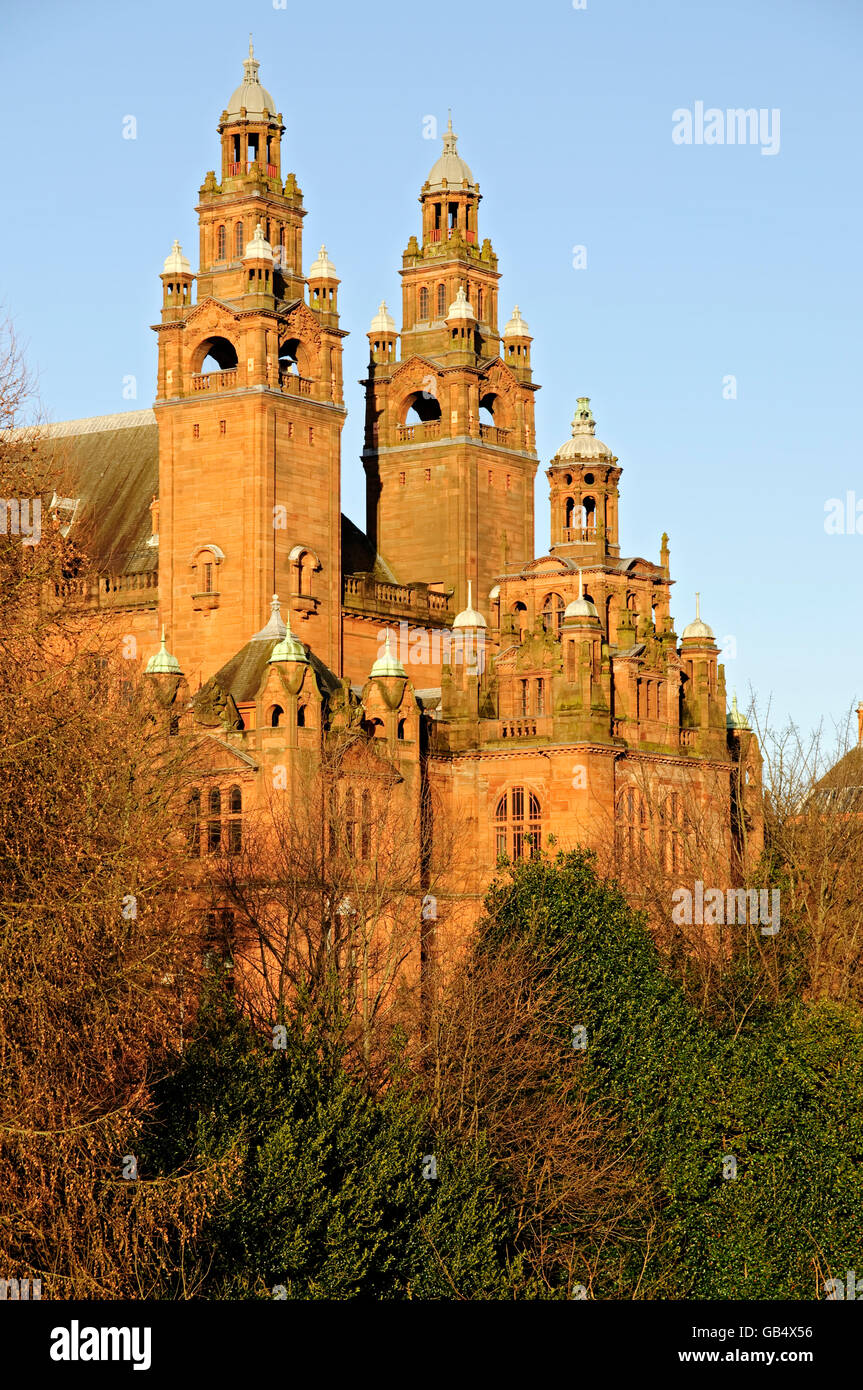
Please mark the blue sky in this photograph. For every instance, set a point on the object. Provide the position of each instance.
(703, 261)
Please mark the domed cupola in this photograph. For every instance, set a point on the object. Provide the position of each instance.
(582, 610)
(450, 171)
(698, 631)
(163, 663)
(290, 648)
(387, 664)
(469, 617)
(584, 497)
(583, 443)
(250, 101)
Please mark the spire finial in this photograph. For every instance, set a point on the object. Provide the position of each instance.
(697, 607)
(251, 47)
(469, 595)
(163, 634)
(580, 584)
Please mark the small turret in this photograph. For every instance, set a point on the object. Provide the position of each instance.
(177, 281)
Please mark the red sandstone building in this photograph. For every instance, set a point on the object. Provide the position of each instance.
(534, 697)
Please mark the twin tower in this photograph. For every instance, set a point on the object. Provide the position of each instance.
(250, 409)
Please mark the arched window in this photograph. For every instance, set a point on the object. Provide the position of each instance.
(518, 825)
(441, 301)
(301, 716)
(193, 830)
(235, 820)
(276, 716)
(221, 244)
(478, 304)
(552, 613)
(588, 513)
(239, 244)
(214, 822)
(366, 826)
(350, 820)
(519, 611)
(424, 304)
(400, 732)
(568, 511)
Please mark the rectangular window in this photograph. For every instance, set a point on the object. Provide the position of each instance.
(524, 701)
(311, 434)
(402, 480)
(540, 697)
(490, 477)
(223, 427)
(290, 430)
(208, 578)
(196, 431)
(428, 475)
(508, 482)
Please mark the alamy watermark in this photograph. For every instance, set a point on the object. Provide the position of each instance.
(419, 646)
(21, 516)
(713, 907)
(734, 126)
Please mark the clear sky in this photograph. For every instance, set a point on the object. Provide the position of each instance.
(704, 261)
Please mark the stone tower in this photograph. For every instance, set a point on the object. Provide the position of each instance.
(449, 444)
(249, 409)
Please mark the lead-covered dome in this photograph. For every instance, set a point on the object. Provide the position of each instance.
(450, 167)
(583, 443)
(250, 94)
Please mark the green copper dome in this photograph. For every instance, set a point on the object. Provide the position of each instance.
(388, 663)
(163, 664)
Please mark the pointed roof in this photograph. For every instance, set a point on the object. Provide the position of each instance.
(163, 664)
(275, 628)
(735, 719)
(450, 168)
(250, 94)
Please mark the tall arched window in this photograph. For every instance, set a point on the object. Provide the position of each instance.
(552, 613)
(366, 825)
(588, 513)
(350, 820)
(441, 301)
(424, 304)
(221, 244)
(569, 508)
(518, 824)
(478, 304)
(214, 822)
(239, 243)
(235, 820)
(193, 831)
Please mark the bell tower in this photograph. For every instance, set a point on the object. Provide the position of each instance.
(449, 448)
(584, 497)
(249, 408)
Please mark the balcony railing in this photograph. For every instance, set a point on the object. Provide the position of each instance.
(140, 590)
(215, 381)
(408, 601)
(518, 728)
(437, 234)
(297, 385)
(580, 533)
(236, 169)
(493, 435)
(418, 434)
